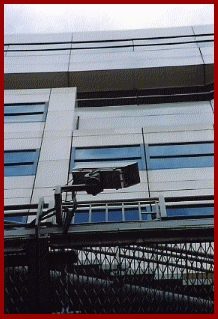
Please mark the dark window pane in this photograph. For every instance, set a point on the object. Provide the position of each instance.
(98, 215)
(20, 219)
(81, 217)
(25, 112)
(190, 211)
(140, 163)
(131, 214)
(19, 156)
(20, 163)
(146, 217)
(114, 215)
(19, 170)
(184, 162)
(186, 149)
(108, 153)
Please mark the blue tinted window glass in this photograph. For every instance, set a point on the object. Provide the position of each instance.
(131, 214)
(20, 219)
(81, 217)
(25, 112)
(140, 163)
(186, 149)
(146, 217)
(19, 156)
(183, 162)
(98, 215)
(114, 215)
(20, 163)
(30, 108)
(19, 170)
(108, 153)
(25, 118)
(190, 211)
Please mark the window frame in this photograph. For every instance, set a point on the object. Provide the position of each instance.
(171, 157)
(24, 116)
(140, 159)
(31, 162)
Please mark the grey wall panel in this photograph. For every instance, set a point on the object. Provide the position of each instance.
(182, 185)
(19, 201)
(22, 143)
(25, 98)
(149, 121)
(21, 135)
(37, 38)
(190, 174)
(35, 68)
(18, 193)
(179, 137)
(16, 182)
(203, 29)
(181, 193)
(165, 47)
(38, 47)
(101, 44)
(103, 140)
(52, 173)
(117, 196)
(23, 127)
(37, 60)
(131, 34)
(36, 53)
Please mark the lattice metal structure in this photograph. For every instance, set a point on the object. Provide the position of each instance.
(147, 266)
(155, 278)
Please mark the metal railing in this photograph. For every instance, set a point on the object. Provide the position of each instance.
(162, 265)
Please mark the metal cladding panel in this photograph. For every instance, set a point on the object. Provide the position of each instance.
(55, 148)
(17, 182)
(18, 192)
(192, 174)
(203, 29)
(28, 98)
(24, 127)
(37, 38)
(37, 60)
(22, 143)
(104, 140)
(109, 197)
(38, 53)
(184, 193)
(59, 120)
(181, 185)
(34, 68)
(52, 173)
(131, 34)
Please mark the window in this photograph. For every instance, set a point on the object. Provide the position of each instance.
(109, 154)
(20, 163)
(28, 112)
(190, 210)
(180, 155)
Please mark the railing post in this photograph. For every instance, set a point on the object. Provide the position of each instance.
(163, 212)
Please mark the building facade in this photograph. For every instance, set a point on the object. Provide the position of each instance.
(139, 95)
(94, 98)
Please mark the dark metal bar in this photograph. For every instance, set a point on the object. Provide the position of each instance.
(39, 277)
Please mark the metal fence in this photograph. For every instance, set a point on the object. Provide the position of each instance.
(157, 266)
(154, 278)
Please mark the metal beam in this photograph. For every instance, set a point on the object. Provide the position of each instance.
(156, 231)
